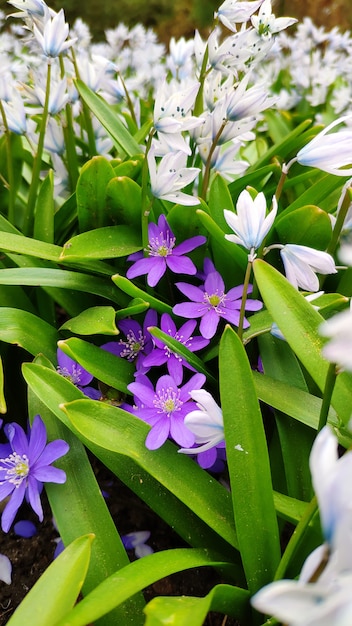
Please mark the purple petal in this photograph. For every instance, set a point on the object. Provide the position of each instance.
(189, 244)
(232, 316)
(180, 433)
(214, 283)
(6, 488)
(49, 474)
(235, 293)
(33, 496)
(114, 347)
(37, 439)
(254, 305)
(136, 256)
(209, 324)
(189, 309)
(25, 528)
(157, 357)
(53, 451)
(167, 324)
(185, 331)
(144, 394)
(128, 325)
(90, 392)
(164, 227)
(157, 270)
(196, 382)
(158, 434)
(17, 438)
(175, 369)
(181, 265)
(166, 382)
(12, 507)
(140, 267)
(191, 292)
(151, 319)
(197, 343)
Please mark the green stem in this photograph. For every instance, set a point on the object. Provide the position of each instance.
(280, 184)
(69, 137)
(327, 395)
(146, 203)
(244, 296)
(129, 101)
(92, 148)
(10, 184)
(340, 219)
(208, 163)
(37, 161)
(296, 538)
(199, 105)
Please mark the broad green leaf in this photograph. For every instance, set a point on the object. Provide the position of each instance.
(28, 331)
(248, 462)
(121, 432)
(56, 591)
(220, 199)
(91, 193)
(3, 407)
(307, 226)
(65, 279)
(299, 323)
(102, 243)
(185, 610)
(317, 192)
(106, 367)
(12, 242)
(289, 509)
(124, 201)
(135, 577)
(257, 178)
(44, 213)
(290, 144)
(136, 306)
(55, 390)
(130, 167)
(109, 119)
(98, 320)
(132, 290)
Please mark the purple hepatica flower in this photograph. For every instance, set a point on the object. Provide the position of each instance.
(163, 253)
(137, 541)
(165, 408)
(162, 354)
(72, 370)
(211, 303)
(26, 467)
(138, 343)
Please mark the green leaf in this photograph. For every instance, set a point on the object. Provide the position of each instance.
(102, 243)
(290, 144)
(28, 331)
(106, 367)
(236, 256)
(109, 119)
(187, 610)
(124, 201)
(91, 193)
(248, 462)
(121, 432)
(56, 591)
(98, 320)
(135, 292)
(317, 192)
(308, 226)
(44, 213)
(3, 407)
(299, 323)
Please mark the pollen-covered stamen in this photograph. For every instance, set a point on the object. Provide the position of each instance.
(162, 245)
(186, 342)
(215, 301)
(16, 468)
(168, 401)
(133, 345)
(74, 375)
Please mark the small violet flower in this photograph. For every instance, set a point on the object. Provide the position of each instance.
(137, 541)
(24, 467)
(163, 253)
(165, 408)
(78, 376)
(162, 354)
(250, 225)
(211, 304)
(138, 342)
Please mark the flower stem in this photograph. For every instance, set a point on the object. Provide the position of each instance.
(10, 183)
(296, 538)
(244, 297)
(340, 219)
(146, 204)
(37, 161)
(208, 163)
(69, 137)
(328, 391)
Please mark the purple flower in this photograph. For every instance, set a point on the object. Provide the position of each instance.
(211, 303)
(26, 467)
(138, 343)
(165, 408)
(78, 376)
(137, 541)
(163, 253)
(162, 354)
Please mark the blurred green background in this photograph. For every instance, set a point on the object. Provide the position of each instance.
(181, 17)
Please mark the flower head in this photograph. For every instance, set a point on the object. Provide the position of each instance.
(137, 541)
(170, 176)
(301, 264)
(266, 24)
(162, 354)
(26, 466)
(211, 304)
(339, 330)
(76, 374)
(232, 12)
(251, 224)
(53, 38)
(163, 253)
(165, 408)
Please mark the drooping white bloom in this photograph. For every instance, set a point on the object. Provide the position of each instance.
(266, 24)
(206, 423)
(53, 39)
(15, 113)
(170, 176)
(339, 330)
(328, 152)
(251, 224)
(5, 569)
(301, 264)
(232, 12)
(244, 102)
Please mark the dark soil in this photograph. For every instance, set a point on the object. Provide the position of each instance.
(30, 557)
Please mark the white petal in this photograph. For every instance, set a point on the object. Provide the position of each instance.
(5, 569)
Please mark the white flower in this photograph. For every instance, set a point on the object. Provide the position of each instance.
(5, 569)
(251, 224)
(328, 152)
(301, 263)
(170, 176)
(266, 24)
(339, 349)
(232, 12)
(53, 39)
(206, 423)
